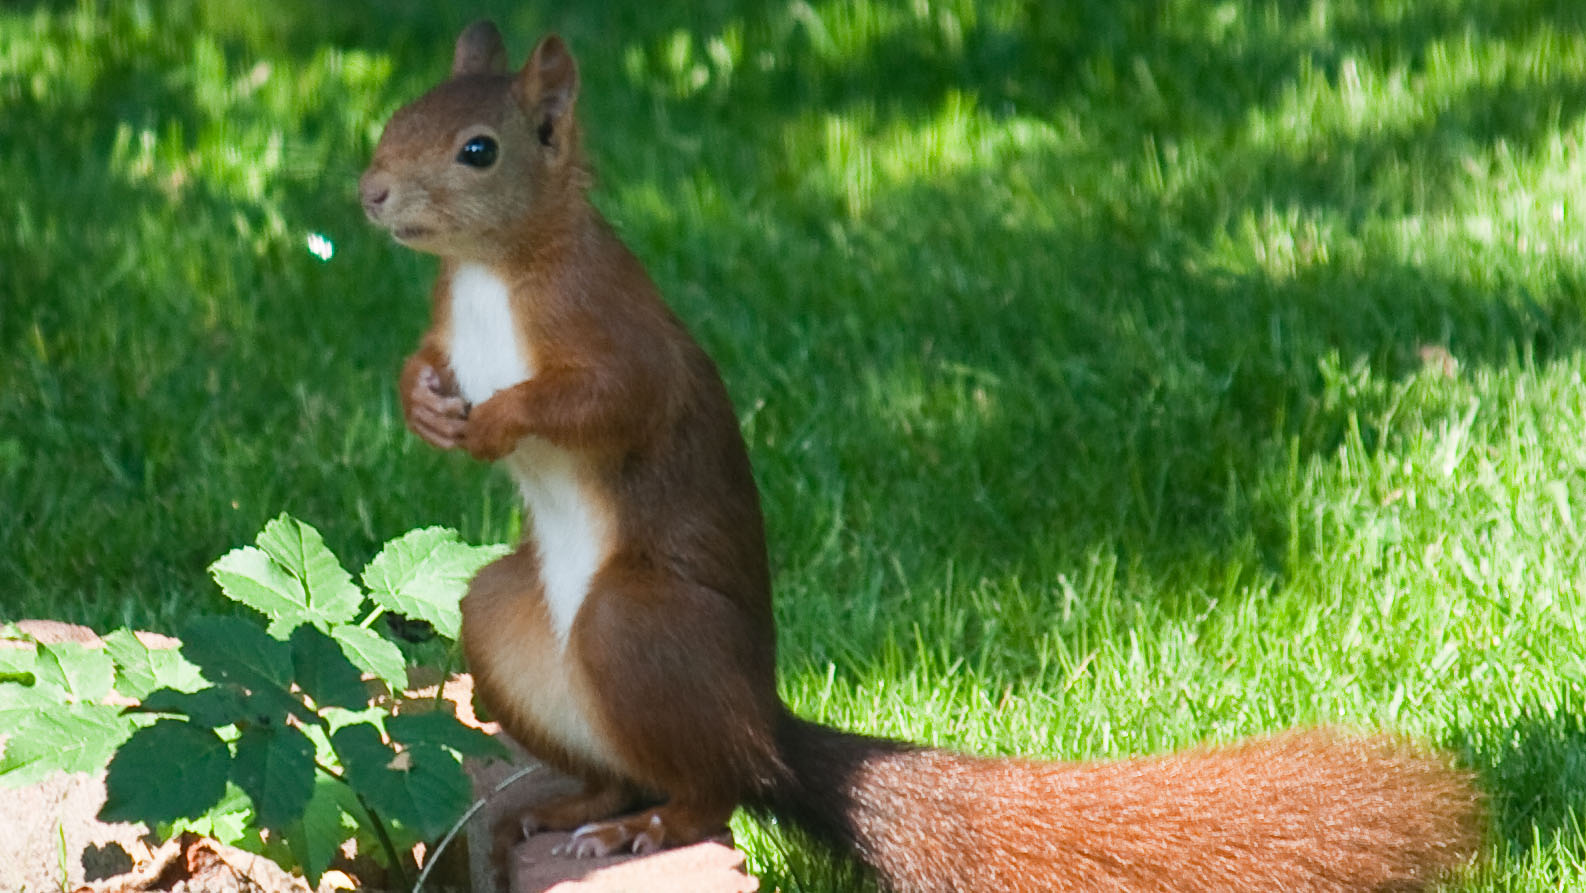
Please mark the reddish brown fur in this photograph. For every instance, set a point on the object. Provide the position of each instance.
(1317, 810)
(669, 666)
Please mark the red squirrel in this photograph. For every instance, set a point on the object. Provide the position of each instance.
(628, 641)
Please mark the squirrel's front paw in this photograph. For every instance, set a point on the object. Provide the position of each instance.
(434, 413)
(492, 430)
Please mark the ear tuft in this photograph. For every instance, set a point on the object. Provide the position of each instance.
(548, 84)
(480, 50)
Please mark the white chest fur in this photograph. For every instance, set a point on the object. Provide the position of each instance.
(571, 531)
(486, 352)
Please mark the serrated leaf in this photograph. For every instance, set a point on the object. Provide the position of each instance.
(227, 821)
(422, 787)
(84, 673)
(135, 668)
(316, 839)
(228, 827)
(365, 759)
(167, 771)
(276, 703)
(373, 653)
(233, 651)
(300, 550)
(17, 660)
(442, 728)
(367, 840)
(274, 765)
(324, 672)
(250, 576)
(337, 718)
(212, 707)
(172, 670)
(62, 738)
(19, 684)
(424, 573)
(141, 669)
(17, 697)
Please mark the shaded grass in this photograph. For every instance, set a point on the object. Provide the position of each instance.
(1117, 376)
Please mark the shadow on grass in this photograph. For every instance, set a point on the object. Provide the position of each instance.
(1534, 769)
(1006, 385)
(1081, 379)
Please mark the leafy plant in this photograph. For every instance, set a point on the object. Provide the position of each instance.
(288, 739)
(62, 704)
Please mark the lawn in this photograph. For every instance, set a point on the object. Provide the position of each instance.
(1117, 375)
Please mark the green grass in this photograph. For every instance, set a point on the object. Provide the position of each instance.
(1117, 375)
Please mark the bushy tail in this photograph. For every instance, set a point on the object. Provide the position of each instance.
(1316, 810)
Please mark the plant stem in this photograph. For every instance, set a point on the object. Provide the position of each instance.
(374, 819)
(385, 841)
(446, 673)
(431, 858)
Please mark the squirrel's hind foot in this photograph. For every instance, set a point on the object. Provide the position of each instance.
(644, 832)
(597, 801)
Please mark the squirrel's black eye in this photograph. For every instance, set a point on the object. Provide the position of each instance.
(478, 152)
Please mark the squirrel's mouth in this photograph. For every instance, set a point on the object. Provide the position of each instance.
(409, 233)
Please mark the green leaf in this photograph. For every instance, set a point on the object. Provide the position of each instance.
(17, 661)
(228, 821)
(212, 707)
(143, 669)
(367, 840)
(442, 728)
(18, 679)
(276, 703)
(227, 826)
(274, 764)
(249, 576)
(316, 839)
(337, 718)
(324, 672)
(424, 573)
(233, 651)
(373, 653)
(18, 698)
(299, 549)
(170, 770)
(291, 578)
(423, 786)
(136, 675)
(62, 738)
(84, 673)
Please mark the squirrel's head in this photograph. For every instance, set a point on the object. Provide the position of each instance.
(482, 157)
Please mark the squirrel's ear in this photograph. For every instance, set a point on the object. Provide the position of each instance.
(480, 50)
(547, 86)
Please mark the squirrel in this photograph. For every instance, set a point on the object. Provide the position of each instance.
(629, 642)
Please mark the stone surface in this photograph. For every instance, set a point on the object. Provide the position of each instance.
(533, 867)
(49, 832)
(189, 863)
(56, 631)
(701, 868)
(52, 838)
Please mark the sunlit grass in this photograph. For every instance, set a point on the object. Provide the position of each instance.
(1117, 375)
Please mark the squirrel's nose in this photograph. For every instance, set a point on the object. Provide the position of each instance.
(374, 191)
